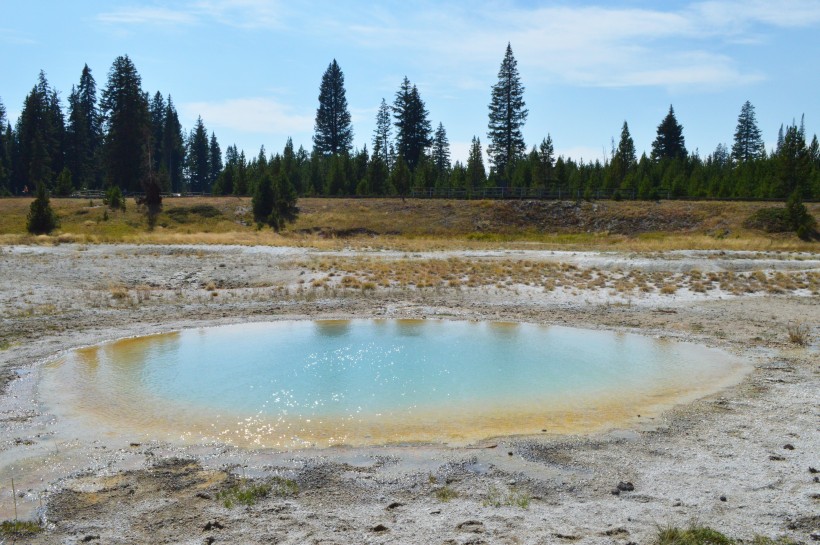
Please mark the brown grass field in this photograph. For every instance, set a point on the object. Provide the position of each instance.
(416, 224)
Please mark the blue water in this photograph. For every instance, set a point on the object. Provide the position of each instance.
(366, 369)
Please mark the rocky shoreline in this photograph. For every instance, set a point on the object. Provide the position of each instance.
(738, 460)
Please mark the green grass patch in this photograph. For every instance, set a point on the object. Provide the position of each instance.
(694, 535)
(248, 493)
(5, 344)
(19, 528)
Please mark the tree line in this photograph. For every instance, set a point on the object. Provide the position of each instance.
(134, 141)
(124, 138)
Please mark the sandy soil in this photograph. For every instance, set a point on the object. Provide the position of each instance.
(738, 460)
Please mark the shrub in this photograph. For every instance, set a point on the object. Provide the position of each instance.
(770, 220)
(445, 494)
(41, 218)
(114, 199)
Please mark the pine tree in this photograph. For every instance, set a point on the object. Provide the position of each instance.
(83, 133)
(39, 136)
(173, 147)
(624, 159)
(198, 156)
(440, 154)
(412, 124)
(41, 218)
(333, 133)
(127, 127)
(546, 155)
(263, 200)
(5, 159)
(669, 144)
(793, 164)
(748, 144)
(476, 174)
(400, 178)
(157, 110)
(214, 161)
(507, 116)
(382, 133)
(377, 173)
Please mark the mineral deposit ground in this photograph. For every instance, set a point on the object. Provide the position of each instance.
(743, 460)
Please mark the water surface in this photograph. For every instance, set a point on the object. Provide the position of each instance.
(298, 383)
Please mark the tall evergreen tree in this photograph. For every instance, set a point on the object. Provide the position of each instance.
(173, 147)
(476, 174)
(214, 160)
(748, 144)
(412, 124)
(624, 158)
(507, 116)
(127, 127)
(333, 133)
(793, 164)
(39, 136)
(546, 155)
(669, 144)
(5, 159)
(157, 110)
(83, 133)
(382, 134)
(198, 155)
(440, 154)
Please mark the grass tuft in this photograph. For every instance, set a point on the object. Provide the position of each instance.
(248, 493)
(19, 528)
(694, 535)
(445, 494)
(513, 498)
(799, 333)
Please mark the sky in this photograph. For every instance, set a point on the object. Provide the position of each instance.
(252, 68)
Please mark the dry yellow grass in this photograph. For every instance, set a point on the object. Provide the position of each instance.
(413, 225)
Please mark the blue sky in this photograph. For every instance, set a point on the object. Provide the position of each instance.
(252, 68)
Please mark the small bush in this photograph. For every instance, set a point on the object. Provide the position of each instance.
(114, 199)
(41, 218)
(770, 220)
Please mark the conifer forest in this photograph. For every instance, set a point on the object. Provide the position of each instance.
(123, 136)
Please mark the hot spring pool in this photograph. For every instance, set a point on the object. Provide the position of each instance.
(300, 383)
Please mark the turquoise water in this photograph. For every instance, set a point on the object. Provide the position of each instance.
(377, 380)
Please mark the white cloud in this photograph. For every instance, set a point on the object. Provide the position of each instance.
(15, 37)
(237, 13)
(147, 16)
(588, 45)
(250, 115)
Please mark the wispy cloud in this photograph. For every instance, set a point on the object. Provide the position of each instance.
(147, 16)
(590, 45)
(15, 37)
(237, 13)
(252, 115)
